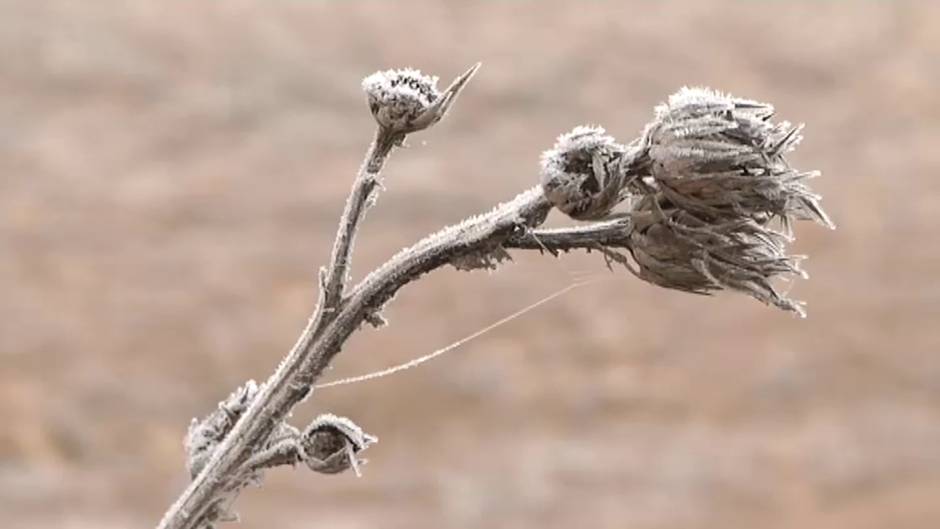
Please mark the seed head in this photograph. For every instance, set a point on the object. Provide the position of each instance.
(675, 249)
(582, 175)
(722, 156)
(203, 436)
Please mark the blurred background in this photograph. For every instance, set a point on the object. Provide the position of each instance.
(170, 178)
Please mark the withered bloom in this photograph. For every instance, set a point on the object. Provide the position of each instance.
(722, 157)
(716, 185)
(675, 249)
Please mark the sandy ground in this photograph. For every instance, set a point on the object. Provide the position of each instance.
(170, 176)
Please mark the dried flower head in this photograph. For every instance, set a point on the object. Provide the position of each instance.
(404, 101)
(722, 156)
(676, 249)
(582, 175)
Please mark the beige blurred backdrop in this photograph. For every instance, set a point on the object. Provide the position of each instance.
(170, 176)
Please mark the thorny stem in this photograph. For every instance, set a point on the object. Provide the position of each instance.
(314, 350)
(285, 389)
(477, 242)
(614, 233)
(322, 337)
(337, 317)
(360, 198)
(508, 226)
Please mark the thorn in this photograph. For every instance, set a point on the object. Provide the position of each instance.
(439, 108)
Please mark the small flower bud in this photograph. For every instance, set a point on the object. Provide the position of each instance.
(721, 156)
(331, 444)
(405, 101)
(398, 97)
(582, 174)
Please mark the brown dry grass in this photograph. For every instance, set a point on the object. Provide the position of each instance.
(169, 178)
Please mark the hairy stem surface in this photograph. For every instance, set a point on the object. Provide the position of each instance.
(360, 198)
(315, 348)
(284, 389)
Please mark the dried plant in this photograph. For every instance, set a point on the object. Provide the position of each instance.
(702, 202)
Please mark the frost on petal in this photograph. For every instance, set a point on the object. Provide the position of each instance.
(582, 175)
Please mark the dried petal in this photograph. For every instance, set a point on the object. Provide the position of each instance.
(681, 251)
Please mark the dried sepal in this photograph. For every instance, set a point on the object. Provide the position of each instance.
(331, 444)
(722, 156)
(676, 249)
(404, 101)
(583, 174)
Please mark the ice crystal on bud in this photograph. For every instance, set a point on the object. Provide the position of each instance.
(397, 98)
(582, 174)
(406, 100)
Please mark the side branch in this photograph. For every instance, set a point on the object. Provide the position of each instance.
(613, 233)
(356, 205)
(294, 378)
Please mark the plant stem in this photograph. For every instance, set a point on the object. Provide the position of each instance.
(293, 379)
(360, 198)
(289, 384)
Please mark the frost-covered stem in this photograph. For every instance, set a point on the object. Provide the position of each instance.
(268, 410)
(615, 233)
(708, 172)
(312, 353)
(360, 198)
(480, 234)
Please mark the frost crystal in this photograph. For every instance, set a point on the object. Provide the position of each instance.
(203, 436)
(398, 98)
(582, 175)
